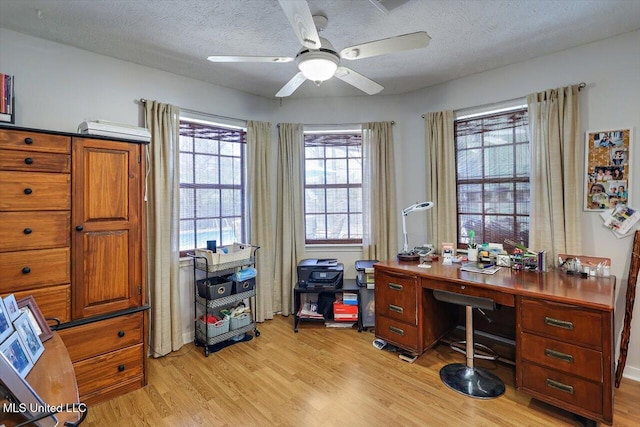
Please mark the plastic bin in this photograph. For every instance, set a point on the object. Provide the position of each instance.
(244, 286)
(236, 255)
(213, 329)
(237, 322)
(214, 287)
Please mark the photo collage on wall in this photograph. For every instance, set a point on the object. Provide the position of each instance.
(607, 169)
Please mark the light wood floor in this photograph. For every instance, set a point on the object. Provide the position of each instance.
(324, 377)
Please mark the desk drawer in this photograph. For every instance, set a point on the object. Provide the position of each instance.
(34, 141)
(562, 356)
(398, 333)
(37, 191)
(396, 297)
(34, 230)
(498, 296)
(109, 369)
(96, 338)
(35, 161)
(30, 269)
(552, 386)
(563, 322)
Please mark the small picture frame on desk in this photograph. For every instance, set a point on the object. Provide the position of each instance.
(6, 326)
(14, 352)
(40, 326)
(29, 337)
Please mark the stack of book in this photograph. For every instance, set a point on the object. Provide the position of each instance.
(350, 298)
(309, 310)
(6, 98)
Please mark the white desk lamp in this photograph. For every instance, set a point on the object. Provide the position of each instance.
(406, 211)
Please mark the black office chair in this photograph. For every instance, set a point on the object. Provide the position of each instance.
(467, 378)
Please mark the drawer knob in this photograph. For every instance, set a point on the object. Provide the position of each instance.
(79, 228)
(26, 270)
(28, 191)
(28, 161)
(27, 231)
(28, 141)
(120, 368)
(121, 334)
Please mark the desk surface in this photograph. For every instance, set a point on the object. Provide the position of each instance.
(554, 285)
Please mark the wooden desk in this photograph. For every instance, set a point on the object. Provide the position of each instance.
(564, 326)
(53, 378)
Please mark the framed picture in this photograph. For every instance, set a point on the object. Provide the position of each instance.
(15, 353)
(12, 307)
(40, 326)
(6, 327)
(607, 169)
(29, 337)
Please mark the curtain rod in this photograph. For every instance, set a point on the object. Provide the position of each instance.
(335, 124)
(581, 86)
(215, 116)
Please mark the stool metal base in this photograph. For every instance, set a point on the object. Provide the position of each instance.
(473, 382)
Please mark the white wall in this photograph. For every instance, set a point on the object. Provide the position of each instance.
(58, 87)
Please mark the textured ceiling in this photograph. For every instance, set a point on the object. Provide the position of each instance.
(468, 36)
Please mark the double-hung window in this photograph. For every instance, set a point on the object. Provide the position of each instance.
(212, 184)
(333, 187)
(492, 177)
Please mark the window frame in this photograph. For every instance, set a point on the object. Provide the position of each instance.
(516, 182)
(219, 186)
(328, 132)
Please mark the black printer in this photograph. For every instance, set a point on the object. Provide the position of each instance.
(314, 273)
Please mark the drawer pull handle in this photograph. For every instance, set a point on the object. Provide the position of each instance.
(559, 386)
(557, 355)
(28, 191)
(395, 286)
(26, 270)
(28, 161)
(558, 323)
(28, 141)
(120, 368)
(121, 334)
(79, 228)
(396, 308)
(396, 330)
(27, 231)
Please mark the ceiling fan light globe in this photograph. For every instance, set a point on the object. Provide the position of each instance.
(318, 66)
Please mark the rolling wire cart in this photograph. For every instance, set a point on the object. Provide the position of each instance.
(211, 273)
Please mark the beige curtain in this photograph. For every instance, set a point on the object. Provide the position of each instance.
(556, 164)
(262, 230)
(163, 217)
(289, 225)
(441, 158)
(380, 239)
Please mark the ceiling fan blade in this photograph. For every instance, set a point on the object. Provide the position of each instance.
(391, 45)
(291, 85)
(219, 58)
(299, 16)
(358, 80)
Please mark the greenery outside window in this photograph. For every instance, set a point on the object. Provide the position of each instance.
(492, 177)
(212, 184)
(333, 187)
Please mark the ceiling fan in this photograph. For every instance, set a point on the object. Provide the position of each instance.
(319, 61)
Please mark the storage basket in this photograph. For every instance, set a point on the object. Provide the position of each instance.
(214, 287)
(213, 329)
(237, 322)
(237, 255)
(244, 286)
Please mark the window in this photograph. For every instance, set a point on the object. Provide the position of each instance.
(492, 177)
(333, 187)
(212, 185)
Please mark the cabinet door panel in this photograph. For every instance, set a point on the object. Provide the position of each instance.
(106, 215)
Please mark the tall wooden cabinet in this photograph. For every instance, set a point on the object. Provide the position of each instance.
(72, 226)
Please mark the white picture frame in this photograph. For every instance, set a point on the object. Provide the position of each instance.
(11, 305)
(29, 337)
(6, 326)
(16, 355)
